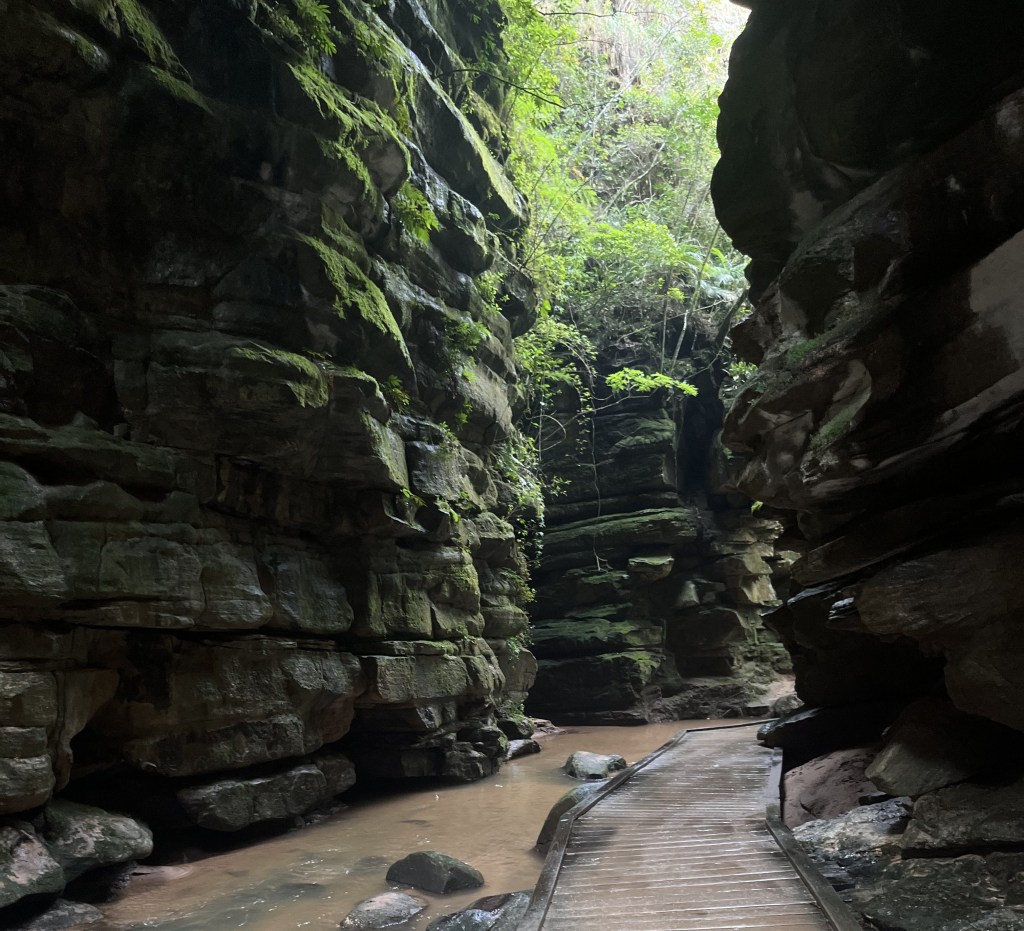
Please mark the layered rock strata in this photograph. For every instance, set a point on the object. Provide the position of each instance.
(255, 381)
(871, 167)
(650, 586)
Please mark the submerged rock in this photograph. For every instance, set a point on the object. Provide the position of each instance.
(518, 748)
(232, 804)
(434, 872)
(493, 913)
(384, 911)
(583, 764)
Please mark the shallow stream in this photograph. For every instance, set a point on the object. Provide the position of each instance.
(311, 878)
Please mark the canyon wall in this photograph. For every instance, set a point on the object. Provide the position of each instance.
(652, 580)
(871, 167)
(256, 448)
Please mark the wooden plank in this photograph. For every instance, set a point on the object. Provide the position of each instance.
(680, 842)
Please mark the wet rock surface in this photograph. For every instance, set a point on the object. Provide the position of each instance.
(232, 804)
(966, 817)
(83, 838)
(384, 911)
(493, 913)
(858, 843)
(253, 414)
(66, 842)
(979, 893)
(27, 868)
(434, 871)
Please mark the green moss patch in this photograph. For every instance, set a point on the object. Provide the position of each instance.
(304, 379)
(179, 89)
(344, 260)
(831, 431)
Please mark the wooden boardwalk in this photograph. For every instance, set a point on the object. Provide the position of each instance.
(680, 842)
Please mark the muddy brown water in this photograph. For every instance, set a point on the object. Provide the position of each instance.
(310, 879)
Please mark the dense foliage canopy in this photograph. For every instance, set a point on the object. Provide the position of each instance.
(612, 135)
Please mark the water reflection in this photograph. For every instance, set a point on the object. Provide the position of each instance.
(310, 879)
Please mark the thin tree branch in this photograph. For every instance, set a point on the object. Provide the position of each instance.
(493, 76)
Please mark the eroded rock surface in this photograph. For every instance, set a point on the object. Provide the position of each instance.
(651, 584)
(886, 230)
(827, 786)
(890, 386)
(255, 408)
(972, 892)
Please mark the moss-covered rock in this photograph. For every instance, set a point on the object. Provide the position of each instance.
(252, 389)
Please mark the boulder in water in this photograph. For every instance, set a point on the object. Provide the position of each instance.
(585, 765)
(384, 911)
(518, 748)
(516, 727)
(435, 872)
(493, 913)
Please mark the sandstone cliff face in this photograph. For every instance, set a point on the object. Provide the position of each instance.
(871, 167)
(254, 404)
(650, 586)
